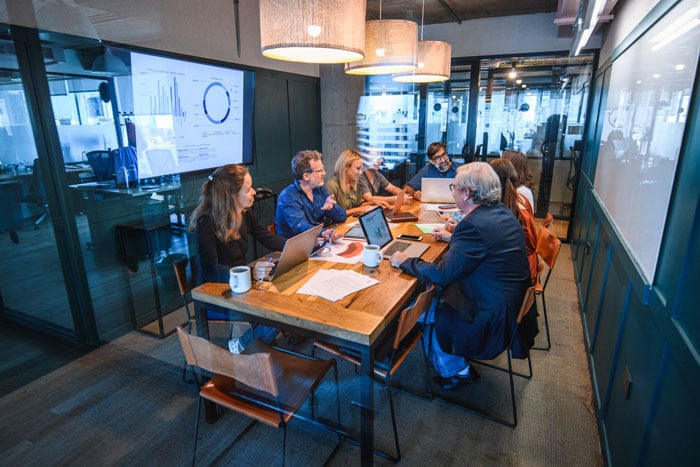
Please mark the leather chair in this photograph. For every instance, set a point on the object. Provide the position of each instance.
(185, 283)
(262, 383)
(389, 359)
(548, 246)
(525, 307)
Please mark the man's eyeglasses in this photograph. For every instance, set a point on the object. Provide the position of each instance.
(440, 157)
(454, 187)
(315, 171)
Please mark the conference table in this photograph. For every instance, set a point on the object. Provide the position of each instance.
(358, 321)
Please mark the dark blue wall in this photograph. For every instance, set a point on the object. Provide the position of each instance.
(643, 340)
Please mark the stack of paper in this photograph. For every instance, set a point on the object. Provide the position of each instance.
(333, 284)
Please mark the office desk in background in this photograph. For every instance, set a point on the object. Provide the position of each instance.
(108, 206)
(358, 321)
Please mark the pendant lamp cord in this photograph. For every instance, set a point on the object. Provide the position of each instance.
(422, 18)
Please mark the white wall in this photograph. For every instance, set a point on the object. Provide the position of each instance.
(202, 28)
(628, 13)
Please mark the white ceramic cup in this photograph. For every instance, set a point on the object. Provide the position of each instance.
(239, 279)
(371, 257)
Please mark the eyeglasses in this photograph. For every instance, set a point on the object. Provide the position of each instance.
(316, 171)
(440, 157)
(454, 187)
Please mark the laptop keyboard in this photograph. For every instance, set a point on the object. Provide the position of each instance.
(396, 246)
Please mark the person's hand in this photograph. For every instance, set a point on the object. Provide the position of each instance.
(397, 258)
(381, 204)
(329, 204)
(442, 234)
(416, 195)
(262, 269)
(449, 222)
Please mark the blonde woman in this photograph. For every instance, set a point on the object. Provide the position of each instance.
(345, 185)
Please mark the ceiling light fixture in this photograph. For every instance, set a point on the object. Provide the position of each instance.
(313, 31)
(433, 60)
(586, 25)
(390, 47)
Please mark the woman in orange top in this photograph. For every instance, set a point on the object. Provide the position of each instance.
(521, 208)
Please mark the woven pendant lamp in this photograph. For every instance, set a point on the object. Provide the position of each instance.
(433, 60)
(390, 47)
(433, 63)
(313, 31)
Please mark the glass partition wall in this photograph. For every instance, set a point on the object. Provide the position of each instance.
(536, 105)
(87, 255)
(32, 284)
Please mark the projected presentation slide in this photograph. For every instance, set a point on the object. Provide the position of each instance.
(189, 116)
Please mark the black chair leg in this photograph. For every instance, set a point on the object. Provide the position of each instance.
(393, 422)
(546, 325)
(196, 430)
(284, 443)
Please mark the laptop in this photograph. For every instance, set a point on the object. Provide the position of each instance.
(436, 190)
(395, 214)
(377, 232)
(296, 250)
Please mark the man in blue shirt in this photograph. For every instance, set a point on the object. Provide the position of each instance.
(306, 201)
(439, 166)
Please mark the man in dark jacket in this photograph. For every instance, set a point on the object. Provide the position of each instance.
(484, 276)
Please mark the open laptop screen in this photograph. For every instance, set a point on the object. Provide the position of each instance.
(376, 228)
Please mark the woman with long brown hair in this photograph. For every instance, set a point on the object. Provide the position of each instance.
(223, 222)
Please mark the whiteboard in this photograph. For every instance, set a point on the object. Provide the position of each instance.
(643, 123)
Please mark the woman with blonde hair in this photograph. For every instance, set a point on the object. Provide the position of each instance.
(223, 222)
(345, 185)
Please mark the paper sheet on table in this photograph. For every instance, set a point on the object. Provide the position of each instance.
(347, 251)
(428, 228)
(333, 284)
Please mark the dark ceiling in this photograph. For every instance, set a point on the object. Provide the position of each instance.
(450, 11)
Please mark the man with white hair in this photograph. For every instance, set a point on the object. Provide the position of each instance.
(483, 276)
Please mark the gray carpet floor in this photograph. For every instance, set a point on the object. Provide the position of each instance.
(125, 404)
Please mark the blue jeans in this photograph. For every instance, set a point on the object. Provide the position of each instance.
(258, 331)
(445, 364)
(266, 333)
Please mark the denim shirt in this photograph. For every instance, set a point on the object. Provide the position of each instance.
(430, 171)
(296, 214)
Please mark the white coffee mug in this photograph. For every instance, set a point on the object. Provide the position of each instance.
(239, 279)
(372, 256)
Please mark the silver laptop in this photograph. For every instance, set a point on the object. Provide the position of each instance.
(377, 232)
(296, 250)
(436, 190)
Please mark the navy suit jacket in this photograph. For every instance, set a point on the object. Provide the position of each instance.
(484, 276)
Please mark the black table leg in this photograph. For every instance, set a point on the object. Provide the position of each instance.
(367, 407)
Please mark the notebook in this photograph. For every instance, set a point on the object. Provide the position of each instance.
(436, 190)
(377, 232)
(395, 214)
(296, 250)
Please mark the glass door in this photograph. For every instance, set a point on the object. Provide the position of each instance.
(32, 285)
(537, 106)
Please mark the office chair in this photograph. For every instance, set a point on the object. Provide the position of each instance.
(262, 383)
(548, 246)
(389, 359)
(102, 163)
(525, 307)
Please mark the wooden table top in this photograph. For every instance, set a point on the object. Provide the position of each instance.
(359, 317)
